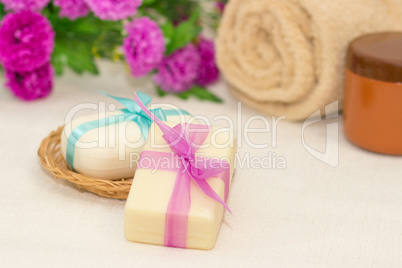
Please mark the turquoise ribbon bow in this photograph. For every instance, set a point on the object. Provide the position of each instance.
(131, 112)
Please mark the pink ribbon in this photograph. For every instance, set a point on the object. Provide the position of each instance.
(184, 142)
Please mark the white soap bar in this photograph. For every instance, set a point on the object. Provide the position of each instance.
(145, 210)
(109, 152)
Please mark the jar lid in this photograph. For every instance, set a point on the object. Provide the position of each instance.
(377, 56)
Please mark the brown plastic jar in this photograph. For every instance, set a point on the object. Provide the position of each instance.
(373, 92)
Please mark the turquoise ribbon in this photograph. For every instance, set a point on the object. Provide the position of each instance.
(131, 112)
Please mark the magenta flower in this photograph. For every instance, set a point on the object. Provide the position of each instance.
(220, 6)
(20, 5)
(144, 46)
(178, 71)
(31, 85)
(207, 72)
(114, 9)
(72, 9)
(26, 41)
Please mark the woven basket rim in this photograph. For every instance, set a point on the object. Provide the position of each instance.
(50, 156)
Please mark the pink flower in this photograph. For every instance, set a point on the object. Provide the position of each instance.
(178, 71)
(207, 72)
(20, 5)
(26, 41)
(144, 46)
(72, 9)
(31, 85)
(114, 9)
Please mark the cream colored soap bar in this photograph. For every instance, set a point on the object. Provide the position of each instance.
(144, 215)
(109, 152)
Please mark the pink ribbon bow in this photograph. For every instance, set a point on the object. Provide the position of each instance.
(184, 143)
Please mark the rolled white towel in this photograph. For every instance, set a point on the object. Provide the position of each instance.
(287, 57)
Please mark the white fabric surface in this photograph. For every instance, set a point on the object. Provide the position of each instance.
(309, 214)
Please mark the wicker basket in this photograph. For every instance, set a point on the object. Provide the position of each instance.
(51, 158)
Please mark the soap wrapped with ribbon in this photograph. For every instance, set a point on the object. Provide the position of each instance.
(108, 146)
(179, 191)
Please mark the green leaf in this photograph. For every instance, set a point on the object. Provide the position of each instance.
(195, 15)
(173, 10)
(184, 33)
(160, 92)
(77, 41)
(184, 95)
(196, 91)
(75, 54)
(168, 32)
(203, 94)
(2, 11)
(82, 63)
(57, 60)
(148, 2)
(168, 29)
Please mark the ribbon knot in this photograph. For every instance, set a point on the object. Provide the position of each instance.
(192, 165)
(188, 159)
(131, 112)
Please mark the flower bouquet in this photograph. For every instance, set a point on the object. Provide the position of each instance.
(161, 38)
